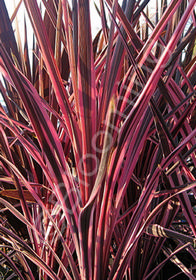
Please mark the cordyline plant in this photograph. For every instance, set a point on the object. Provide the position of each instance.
(98, 142)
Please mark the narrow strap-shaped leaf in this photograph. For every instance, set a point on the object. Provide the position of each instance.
(15, 11)
(108, 69)
(159, 231)
(115, 63)
(161, 132)
(140, 8)
(72, 47)
(13, 193)
(26, 53)
(87, 94)
(103, 20)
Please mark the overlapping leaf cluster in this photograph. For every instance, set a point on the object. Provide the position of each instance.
(97, 141)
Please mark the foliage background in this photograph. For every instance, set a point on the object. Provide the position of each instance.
(97, 142)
